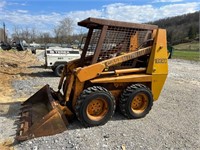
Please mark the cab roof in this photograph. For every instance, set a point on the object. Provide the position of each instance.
(97, 23)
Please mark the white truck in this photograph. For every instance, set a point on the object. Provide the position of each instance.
(56, 57)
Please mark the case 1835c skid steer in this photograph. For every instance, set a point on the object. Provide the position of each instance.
(122, 64)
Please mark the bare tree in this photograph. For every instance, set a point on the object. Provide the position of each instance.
(25, 34)
(16, 33)
(33, 34)
(64, 30)
(57, 34)
(62, 33)
(46, 38)
(28, 34)
(21, 33)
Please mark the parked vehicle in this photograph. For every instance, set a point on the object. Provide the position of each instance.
(57, 57)
(18, 45)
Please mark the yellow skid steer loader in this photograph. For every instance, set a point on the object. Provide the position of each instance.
(123, 64)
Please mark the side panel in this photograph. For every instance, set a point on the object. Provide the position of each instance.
(158, 63)
(158, 81)
(52, 59)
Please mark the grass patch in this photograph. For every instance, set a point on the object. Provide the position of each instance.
(192, 46)
(187, 51)
(186, 54)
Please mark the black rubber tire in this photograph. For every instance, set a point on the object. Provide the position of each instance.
(58, 70)
(87, 96)
(127, 98)
(53, 68)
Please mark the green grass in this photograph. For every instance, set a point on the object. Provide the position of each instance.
(187, 55)
(192, 46)
(187, 51)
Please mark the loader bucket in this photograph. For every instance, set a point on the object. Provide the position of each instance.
(41, 116)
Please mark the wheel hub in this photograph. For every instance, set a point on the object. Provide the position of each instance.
(139, 103)
(97, 109)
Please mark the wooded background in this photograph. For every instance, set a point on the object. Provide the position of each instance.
(180, 29)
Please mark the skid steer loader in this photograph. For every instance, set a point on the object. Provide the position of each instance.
(122, 64)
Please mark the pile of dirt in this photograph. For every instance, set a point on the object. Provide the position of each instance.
(13, 66)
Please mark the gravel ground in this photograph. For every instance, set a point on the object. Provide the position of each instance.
(173, 122)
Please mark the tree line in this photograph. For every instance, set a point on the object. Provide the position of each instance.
(62, 33)
(180, 29)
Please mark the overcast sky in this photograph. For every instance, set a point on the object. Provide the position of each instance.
(46, 14)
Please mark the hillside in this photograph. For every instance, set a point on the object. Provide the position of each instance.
(181, 29)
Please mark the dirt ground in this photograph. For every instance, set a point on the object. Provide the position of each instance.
(13, 66)
(173, 122)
